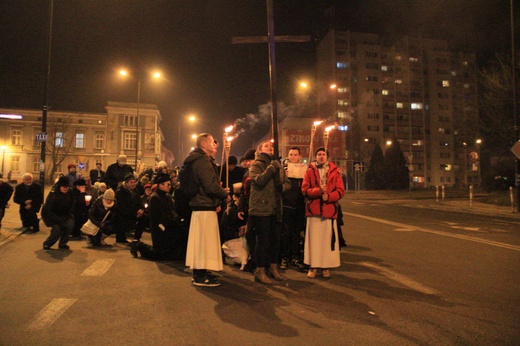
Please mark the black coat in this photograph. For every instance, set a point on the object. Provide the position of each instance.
(162, 212)
(58, 207)
(6, 191)
(32, 192)
(116, 174)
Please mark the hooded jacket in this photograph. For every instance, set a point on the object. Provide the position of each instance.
(205, 172)
(315, 205)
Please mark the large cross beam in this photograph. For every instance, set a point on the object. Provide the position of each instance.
(271, 39)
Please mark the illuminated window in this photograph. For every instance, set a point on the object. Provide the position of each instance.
(342, 103)
(399, 105)
(453, 73)
(342, 114)
(341, 64)
(445, 83)
(342, 90)
(80, 140)
(15, 163)
(100, 140)
(16, 136)
(416, 106)
(35, 164)
(398, 57)
(129, 141)
(466, 85)
(58, 142)
(384, 68)
(384, 92)
(413, 59)
(398, 81)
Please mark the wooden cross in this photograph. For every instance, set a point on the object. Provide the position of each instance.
(271, 39)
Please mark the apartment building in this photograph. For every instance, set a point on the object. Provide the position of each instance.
(81, 138)
(414, 90)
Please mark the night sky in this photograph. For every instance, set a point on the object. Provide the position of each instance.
(190, 42)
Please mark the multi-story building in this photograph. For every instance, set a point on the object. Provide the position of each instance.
(80, 138)
(415, 91)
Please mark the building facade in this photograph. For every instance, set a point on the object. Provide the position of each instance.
(415, 91)
(81, 138)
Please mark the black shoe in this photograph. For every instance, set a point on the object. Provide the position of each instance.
(46, 247)
(206, 281)
(297, 264)
(133, 249)
(64, 247)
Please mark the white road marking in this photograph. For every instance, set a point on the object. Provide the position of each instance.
(446, 234)
(49, 314)
(99, 267)
(403, 280)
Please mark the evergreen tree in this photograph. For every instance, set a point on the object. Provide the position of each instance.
(375, 177)
(396, 169)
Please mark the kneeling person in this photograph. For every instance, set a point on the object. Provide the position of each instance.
(169, 242)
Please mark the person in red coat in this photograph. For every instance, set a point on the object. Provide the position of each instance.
(322, 188)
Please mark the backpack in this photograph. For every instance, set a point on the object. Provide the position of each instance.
(188, 180)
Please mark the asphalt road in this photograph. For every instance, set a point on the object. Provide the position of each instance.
(409, 275)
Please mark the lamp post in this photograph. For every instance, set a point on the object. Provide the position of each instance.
(478, 142)
(3, 147)
(155, 75)
(191, 118)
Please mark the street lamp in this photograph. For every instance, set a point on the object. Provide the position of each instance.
(155, 75)
(3, 147)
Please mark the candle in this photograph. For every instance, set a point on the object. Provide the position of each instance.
(88, 198)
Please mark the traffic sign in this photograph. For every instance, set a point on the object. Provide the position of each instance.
(516, 149)
(359, 166)
(41, 136)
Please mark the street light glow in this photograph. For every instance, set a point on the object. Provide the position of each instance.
(316, 123)
(333, 86)
(123, 72)
(228, 129)
(304, 84)
(157, 75)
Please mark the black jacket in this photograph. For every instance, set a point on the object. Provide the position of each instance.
(6, 191)
(58, 207)
(206, 173)
(116, 174)
(32, 192)
(162, 212)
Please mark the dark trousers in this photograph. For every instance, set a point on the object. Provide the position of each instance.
(2, 213)
(122, 227)
(141, 225)
(61, 232)
(29, 219)
(251, 238)
(293, 225)
(267, 239)
(96, 239)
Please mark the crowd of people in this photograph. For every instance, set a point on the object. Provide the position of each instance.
(287, 213)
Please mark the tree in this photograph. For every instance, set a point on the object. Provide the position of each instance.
(396, 170)
(375, 176)
(59, 143)
(496, 114)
